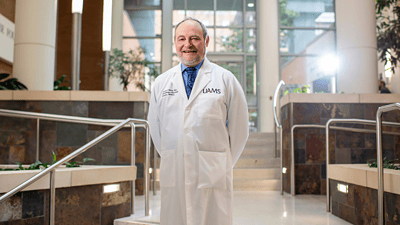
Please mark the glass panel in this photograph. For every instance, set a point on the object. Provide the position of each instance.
(253, 119)
(251, 40)
(152, 47)
(206, 17)
(250, 13)
(299, 71)
(229, 40)
(251, 81)
(200, 5)
(142, 23)
(229, 13)
(306, 13)
(178, 16)
(136, 3)
(307, 41)
(234, 67)
(179, 5)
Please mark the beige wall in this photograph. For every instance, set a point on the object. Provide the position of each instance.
(7, 9)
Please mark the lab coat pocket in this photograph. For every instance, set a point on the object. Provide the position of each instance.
(167, 168)
(212, 169)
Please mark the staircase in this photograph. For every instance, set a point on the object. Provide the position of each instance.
(257, 168)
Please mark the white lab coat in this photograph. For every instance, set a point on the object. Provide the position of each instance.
(199, 140)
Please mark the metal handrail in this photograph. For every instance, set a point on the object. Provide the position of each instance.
(280, 129)
(117, 124)
(357, 121)
(381, 190)
(359, 130)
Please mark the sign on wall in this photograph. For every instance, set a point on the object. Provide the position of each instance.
(7, 33)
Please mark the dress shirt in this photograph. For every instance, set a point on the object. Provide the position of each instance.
(186, 76)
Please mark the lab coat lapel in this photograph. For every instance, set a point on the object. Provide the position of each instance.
(177, 80)
(202, 79)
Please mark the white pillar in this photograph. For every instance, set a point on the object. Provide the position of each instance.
(166, 54)
(116, 38)
(356, 46)
(35, 39)
(268, 61)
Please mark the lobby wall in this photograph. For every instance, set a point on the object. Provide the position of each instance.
(91, 44)
(7, 9)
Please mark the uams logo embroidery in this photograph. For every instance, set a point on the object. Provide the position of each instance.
(169, 92)
(212, 90)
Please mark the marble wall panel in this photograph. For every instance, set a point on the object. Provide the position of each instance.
(308, 179)
(315, 148)
(140, 110)
(306, 113)
(12, 208)
(4, 155)
(69, 134)
(32, 204)
(110, 213)
(119, 197)
(77, 205)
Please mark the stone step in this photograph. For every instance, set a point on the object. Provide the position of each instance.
(260, 147)
(256, 185)
(260, 135)
(258, 163)
(256, 173)
(127, 222)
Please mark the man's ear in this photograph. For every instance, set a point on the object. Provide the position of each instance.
(207, 40)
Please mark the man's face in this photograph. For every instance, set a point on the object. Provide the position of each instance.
(189, 43)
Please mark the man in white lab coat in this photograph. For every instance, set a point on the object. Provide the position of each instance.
(199, 124)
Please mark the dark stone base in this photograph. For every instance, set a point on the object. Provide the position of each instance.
(75, 205)
(360, 204)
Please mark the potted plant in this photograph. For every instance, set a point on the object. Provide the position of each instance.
(130, 67)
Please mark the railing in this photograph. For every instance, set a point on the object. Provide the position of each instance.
(116, 124)
(381, 190)
(356, 121)
(359, 130)
(280, 130)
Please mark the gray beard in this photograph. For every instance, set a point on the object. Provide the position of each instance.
(193, 62)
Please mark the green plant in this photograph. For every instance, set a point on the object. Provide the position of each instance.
(303, 89)
(130, 66)
(387, 164)
(11, 83)
(61, 81)
(38, 164)
(388, 31)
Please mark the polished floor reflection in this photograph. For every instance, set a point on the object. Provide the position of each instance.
(259, 208)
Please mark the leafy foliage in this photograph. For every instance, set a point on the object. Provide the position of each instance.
(60, 81)
(39, 165)
(11, 83)
(303, 89)
(286, 16)
(387, 164)
(129, 67)
(388, 31)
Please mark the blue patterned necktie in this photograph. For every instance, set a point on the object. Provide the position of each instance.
(191, 72)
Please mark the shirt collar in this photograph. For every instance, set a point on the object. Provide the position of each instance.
(183, 67)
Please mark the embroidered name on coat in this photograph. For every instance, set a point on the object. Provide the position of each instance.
(212, 90)
(169, 92)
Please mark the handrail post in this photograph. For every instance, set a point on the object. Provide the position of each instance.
(328, 203)
(281, 150)
(154, 171)
(292, 180)
(146, 172)
(133, 160)
(37, 138)
(52, 197)
(380, 166)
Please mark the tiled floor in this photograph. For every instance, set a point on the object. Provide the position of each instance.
(260, 208)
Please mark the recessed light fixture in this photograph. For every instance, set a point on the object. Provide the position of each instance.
(284, 169)
(250, 5)
(110, 188)
(344, 188)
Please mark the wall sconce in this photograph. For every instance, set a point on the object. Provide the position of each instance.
(110, 188)
(344, 188)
